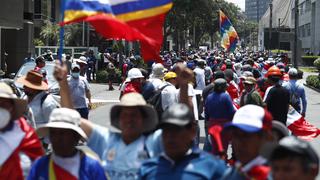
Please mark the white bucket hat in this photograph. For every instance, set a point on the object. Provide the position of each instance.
(20, 105)
(134, 73)
(62, 118)
(150, 121)
(157, 71)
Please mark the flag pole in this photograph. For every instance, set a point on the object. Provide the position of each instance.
(62, 3)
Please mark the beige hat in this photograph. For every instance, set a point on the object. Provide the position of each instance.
(157, 71)
(81, 60)
(62, 118)
(250, 80)
(33, 80)
(135, 100)
(20, 105)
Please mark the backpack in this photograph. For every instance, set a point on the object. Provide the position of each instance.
(294, 98)
(156, 101)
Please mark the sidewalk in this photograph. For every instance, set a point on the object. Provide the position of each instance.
(101, 92)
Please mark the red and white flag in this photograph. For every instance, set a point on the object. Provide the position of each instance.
(299, 127)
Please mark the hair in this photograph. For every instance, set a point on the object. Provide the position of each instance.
(293, 76)
(219, 89)
(282, 153)
(39, 60)
(144, 73)
(274, 79)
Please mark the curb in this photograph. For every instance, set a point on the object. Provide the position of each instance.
(313, 88)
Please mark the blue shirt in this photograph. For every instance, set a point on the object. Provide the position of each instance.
(90, 169)
(293, 87)
(78, 88)
(196, 165)
(148, 90)
(219, 106)
(120, 160)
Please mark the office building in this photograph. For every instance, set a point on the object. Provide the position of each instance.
(255, 9)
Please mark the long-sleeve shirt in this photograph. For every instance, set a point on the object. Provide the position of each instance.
(294, 87)
(219, 106)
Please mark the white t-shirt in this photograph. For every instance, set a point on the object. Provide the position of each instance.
(157, 83)
(169, 95)
(200, 78)
(192, 93)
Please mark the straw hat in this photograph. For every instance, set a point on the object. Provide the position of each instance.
(20, 105)
(135, 100)
(33, 80)
(62, 118)
(250, 80)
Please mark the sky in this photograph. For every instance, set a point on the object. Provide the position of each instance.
(240, 3)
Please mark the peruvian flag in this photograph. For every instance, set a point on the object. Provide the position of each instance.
(300, 127)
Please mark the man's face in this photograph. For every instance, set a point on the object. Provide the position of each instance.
(63, 141)
(246, 146)
(288, 169)
(177, 140)
(42, 64)
(131, 121)
(248, 87)
(8, 105)
(30, 92)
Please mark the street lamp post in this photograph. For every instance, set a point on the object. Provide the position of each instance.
(295, 43)
(270, 26)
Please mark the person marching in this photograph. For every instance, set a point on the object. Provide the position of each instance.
(19, 144)
(65, 161)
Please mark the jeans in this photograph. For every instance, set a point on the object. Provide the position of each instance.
(84, 112)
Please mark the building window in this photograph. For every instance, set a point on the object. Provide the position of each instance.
(301, 8)
(308, 6)
(308, 29)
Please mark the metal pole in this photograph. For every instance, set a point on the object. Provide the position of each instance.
(83, 33)
(270, 26)
(258, 11)
(88, 35)
(279, 23)
(295, 43)
(0, 51)
(194, 35)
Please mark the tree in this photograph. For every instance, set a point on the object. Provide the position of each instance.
(198, 18)
(50, 34)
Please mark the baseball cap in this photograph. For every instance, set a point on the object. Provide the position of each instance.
(293, 72)
(170, 75)
(251, 119)
(75, 65)
(177, 114)
(295, 145)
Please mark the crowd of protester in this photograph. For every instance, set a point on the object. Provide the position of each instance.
(243, 98)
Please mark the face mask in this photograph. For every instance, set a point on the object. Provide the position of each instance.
(75, 74)
(5, 117)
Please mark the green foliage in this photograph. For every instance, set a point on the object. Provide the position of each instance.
(38, 42)
(316, 63)
(50, 34)
(314, 81)
(275, 51)
(118, 47)
(308, 60)
(201, 16)
(102, 76)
